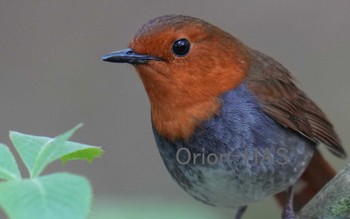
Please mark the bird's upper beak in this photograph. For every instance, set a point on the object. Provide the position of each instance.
(128, 56)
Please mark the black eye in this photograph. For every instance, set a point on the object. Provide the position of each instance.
(181, 47)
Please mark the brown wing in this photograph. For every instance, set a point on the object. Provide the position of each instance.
(284, 102)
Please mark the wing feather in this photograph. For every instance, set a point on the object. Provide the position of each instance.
(284, 102)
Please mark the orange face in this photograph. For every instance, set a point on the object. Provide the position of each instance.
(190, 64)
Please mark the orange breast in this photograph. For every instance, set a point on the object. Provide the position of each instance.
(182, 100)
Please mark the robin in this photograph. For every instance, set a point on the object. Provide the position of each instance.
(230, 123)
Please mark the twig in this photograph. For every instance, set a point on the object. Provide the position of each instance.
(333, 201)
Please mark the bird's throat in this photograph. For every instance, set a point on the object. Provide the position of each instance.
(180, 122)
(177, 110)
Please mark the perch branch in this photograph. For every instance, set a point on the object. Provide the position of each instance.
(332, 201)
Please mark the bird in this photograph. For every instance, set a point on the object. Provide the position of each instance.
(231, 124)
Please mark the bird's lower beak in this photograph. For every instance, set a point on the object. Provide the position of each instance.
(128, 56)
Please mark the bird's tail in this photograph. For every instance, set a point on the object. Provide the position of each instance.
(316, 175)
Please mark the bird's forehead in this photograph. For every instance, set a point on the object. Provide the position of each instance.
(170, 27)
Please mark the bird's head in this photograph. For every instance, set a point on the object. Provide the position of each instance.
(185, 64)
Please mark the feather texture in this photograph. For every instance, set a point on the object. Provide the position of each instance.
(283, 101)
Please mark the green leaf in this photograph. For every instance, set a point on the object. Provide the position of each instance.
(88, 154)
(8, 166)
(37, 152)
(37, 156)
(54, 196)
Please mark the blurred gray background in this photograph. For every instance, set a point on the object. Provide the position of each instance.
(51, 78)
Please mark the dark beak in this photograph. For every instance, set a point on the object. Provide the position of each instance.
(128, 56)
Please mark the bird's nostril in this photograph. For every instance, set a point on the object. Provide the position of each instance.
(129, 52)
